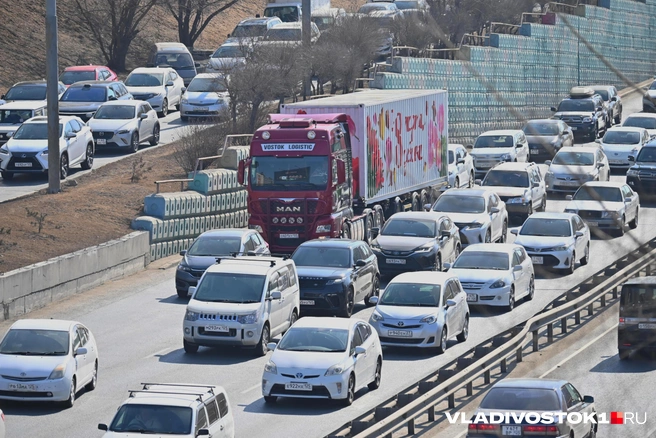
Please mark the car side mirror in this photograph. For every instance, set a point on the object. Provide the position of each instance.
(170, 84)
(517, 268)
(446, 266)
(588, 399)
(569, 197)
(535, 184)
(228, 35)
(184, 89)
(203, 432)
(10, 134)
(271, 346)
(599, 108)
(375, 231)
(579, 234)
(2, 97)
(547, 163)
(427, 207)
(183, 252)
(111, 98)
(460, 161)
(598, 140)
(445, 234)
(478, 182)
(600, 165)
(102, 426)
(192, 290)
(196, 64)
(143, 116)
(494, 210)
(450, 303)
(276, 295)
(360, 263)
(553, 108)
(514, 231)
(613, 99)
(81, 351)
(628, 199)
(373, 300)
(251, 253)
(70, 135)
(360, 350)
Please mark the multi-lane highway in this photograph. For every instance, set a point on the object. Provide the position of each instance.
(137, 323)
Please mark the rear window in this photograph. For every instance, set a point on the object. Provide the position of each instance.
(521, 399)
(638, 294)
(85, 94)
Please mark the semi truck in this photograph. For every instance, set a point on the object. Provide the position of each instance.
(340, 166)
(290, 10)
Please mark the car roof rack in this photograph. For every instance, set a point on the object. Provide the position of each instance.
(258, 259)
(197, 395)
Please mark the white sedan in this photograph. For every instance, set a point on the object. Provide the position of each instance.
(461, 167)
(125, 124)
(555, 240)
(161, 87)
(495, 274)
(620, 142)
(47, 360)
(329, 358)
(421, 309)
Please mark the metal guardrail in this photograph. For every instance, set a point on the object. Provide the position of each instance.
(414, 402)
(169, 181)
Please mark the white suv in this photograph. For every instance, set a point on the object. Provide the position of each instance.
(183, 410)
(493, 147)
(242, 301)
(520, 185)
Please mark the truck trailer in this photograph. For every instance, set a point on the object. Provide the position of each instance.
(341, 165)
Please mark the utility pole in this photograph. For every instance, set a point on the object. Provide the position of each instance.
(52, 94)
(306, 25)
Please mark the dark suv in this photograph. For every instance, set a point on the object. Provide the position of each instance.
(584, 112)
(637, 320)
(641, 176)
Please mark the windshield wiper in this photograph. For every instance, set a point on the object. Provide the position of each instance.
(138, 431)
(53, 353)
(216, 301)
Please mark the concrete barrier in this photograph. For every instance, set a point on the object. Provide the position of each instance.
(35, 286)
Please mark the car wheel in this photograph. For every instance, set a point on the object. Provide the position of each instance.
(182, 293)
(7, 176)
(293, 319)
(471, 182)
(464, 334)
(622, 225)
(456, 184)
(586, 256)
(88, 158)
(592, 433)
(261, 348)
(530, 210)
(456, 254)
(134, 143)
(375, 290)
(375, 384)
(438, 263)
(165, 108)
(189, 348)
(71, 396)
(531, 290)
(634, 223)
(504, 233)
(443, 340)
(488, 237)
(350, 392)
(155, 138)
(511, 300)
(94, 380)
(572, 265)
(63, 166)
(543, 207)
(618, 118)
(349, 303)
(270, 399)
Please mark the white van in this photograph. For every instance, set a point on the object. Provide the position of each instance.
(183, 410)
(13, 114)
(242, 301)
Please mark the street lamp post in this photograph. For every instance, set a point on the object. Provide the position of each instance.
(52, 95)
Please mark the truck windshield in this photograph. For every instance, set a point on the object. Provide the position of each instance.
(287, 14)
(289, 173)
(638, 300)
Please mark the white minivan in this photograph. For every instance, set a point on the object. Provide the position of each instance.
(242, 301)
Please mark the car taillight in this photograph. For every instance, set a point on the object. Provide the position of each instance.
(2, 415)
(484, 427)
(540, 430)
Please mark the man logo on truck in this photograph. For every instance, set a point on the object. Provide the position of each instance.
(288, 209)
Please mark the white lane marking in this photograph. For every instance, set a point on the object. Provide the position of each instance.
(252, 388)
(579, 351)
(161, 352)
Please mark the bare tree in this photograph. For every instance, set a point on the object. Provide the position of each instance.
(114, 24)
(198, 141)
(193, 16)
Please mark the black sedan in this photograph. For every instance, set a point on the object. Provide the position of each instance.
(546, 137)
(334, 274)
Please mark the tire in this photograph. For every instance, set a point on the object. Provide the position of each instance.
(530, 210)
(618, 118)
(471, 181)
(456, 183)
(182, 293)
(71, 396)
(88, 158)
(464, 334)
(63, 166)
(376, 382)
(634, 223)
(349, 303)
(184, 119)
(511, 300)
(261, 348)
(586, 256)
(531, 290)
(488, 237)
(620, 230)
(7, 176)
(165, 108)
(624, 354)
(270, 399)
(572, 265)
(457, 253)
(416, 201)
(155, 138)
(293, 319)
(374, 292)
(438, 263)
(346, 231)
(189, 348)
(443, 340)
(368, 221)
(543, 207)
(592, 433)
(350, 392)
(504, 233)
(94, 380)
(134, 143)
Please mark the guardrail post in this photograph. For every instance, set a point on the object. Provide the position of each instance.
(563, 325)
(520, 355)
(603, 300)
(411, 426)
(536, 345)
(550, 332)
(431, 413)
(648, 270)
(504, 366)
(577, 318)
(470, 389)
(452, 401)
(486, 377)
(590, 309)
(616, 291)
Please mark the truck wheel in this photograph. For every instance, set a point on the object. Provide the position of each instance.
(379, 217)
(424, 198)
(346, 231)
(416, 203)
(368, 220)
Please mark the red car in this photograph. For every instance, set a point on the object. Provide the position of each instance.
(87, 73)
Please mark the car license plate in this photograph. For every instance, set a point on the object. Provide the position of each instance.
(395, 261)
(289, 236)
(647, 326)
(101, 141)
(511, 430)
(22, 387)
(537, 260)
(574, 128)
(535, 151)
(298, 386)
(569, 183)
(307, 302)
(472, 297)
(615, 161)
(400, 333)
(593, 224)
(202, 109)
(216, 328)
(23, 164)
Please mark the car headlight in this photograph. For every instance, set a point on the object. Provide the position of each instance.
(375, 316)
(270, 367)
(424, 248)
(249, 318)
(498, 284)
(610, 214)
(4, 150)
(337, 369)
(549, 174)
(123, 131)
(475, 225)
(560, 248)
(191, 316)
(334, 281)
(587, 119)
(571, 210)
(44, 152)
(431, 319)
(506, 157)
(324, 228)
(184, 100)
(58, 372)
(184, 268)
(520, 200)
(632, 172)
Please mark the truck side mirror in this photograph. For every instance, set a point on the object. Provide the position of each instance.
(241, 171)
(341, 172)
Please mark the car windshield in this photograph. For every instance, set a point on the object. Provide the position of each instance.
(145, 80)
(152, 419)
(568, 158)
(521, 399)
(287, 14)
(249, 31)
(26, 92)
(451, 157)
(178, 61)
(622, 137)
(289, 173)
(229, 52)
(541, 128)
(460, 204)
(224, 287)
(322, 256)
(494, 141)
(640, 122)
(546, 227)
(410, 228)
(505, 178)
(592, 193)
(205, 85)
(14, 117)
(647, 155)
(34, 131)
(327, 340)
(411, 295)
(115, 112)
(215, 246)
(70, 77)
(482, 260)
(576, 105)
(35, 342)
(284, 35)
(85, 94)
